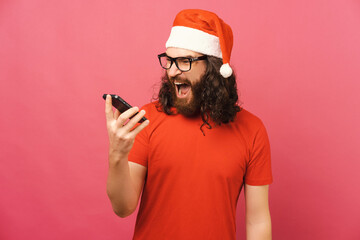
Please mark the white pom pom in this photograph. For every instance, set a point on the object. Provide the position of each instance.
(226, 70)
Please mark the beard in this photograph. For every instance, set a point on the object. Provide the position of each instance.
(188, 107)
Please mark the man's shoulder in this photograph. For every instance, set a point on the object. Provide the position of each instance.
(247, 119)
(153, 110)
(246, 115)
(151, 106)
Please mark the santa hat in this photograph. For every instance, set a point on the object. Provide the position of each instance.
(204, 32)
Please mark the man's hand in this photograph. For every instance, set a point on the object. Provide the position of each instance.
(121, 130)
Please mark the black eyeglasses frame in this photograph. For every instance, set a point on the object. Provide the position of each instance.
(204, 57)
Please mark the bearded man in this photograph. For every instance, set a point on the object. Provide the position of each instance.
(199, 149)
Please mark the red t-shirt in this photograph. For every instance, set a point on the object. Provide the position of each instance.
(193, 181)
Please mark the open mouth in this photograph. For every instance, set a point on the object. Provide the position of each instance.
(182, 89)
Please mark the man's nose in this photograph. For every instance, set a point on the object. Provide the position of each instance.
(173, 71)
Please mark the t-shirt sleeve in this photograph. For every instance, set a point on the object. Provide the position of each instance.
(258, 170)
(139, 151)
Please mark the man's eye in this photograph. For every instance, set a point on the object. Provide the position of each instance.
(184, 60)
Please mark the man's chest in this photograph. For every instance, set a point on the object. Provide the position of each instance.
(183, 150)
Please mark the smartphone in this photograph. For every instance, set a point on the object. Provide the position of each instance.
(121, 105)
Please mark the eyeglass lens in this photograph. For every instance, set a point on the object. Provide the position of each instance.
(183, 64)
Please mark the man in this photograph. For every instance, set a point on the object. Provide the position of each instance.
(199, 149)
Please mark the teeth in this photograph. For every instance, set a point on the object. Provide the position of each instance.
(178, 85)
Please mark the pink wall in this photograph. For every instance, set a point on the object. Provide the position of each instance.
(297, 64)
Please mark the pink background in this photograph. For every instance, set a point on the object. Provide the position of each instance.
(297, 64)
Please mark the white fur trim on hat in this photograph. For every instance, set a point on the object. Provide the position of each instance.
(194, 40)
(226, 70)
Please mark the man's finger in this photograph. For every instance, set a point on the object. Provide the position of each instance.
(116, 114)
(134, 120)
(108, 108)
(126, 115)
(139, 128)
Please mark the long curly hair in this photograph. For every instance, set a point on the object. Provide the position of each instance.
(218, 97)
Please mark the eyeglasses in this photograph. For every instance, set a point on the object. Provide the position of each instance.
(182, 63)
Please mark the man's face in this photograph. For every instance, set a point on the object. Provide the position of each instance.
(186, 84)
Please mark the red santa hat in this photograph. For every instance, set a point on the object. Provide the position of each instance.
(204, 32)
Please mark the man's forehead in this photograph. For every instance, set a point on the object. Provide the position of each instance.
(181, 52)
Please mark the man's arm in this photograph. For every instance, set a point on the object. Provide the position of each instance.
(125, 179)
(257, 213)
(124, 185)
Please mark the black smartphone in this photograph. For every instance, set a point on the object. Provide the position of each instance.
(121, 105)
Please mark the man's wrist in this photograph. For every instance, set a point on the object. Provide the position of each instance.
(116, 156)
